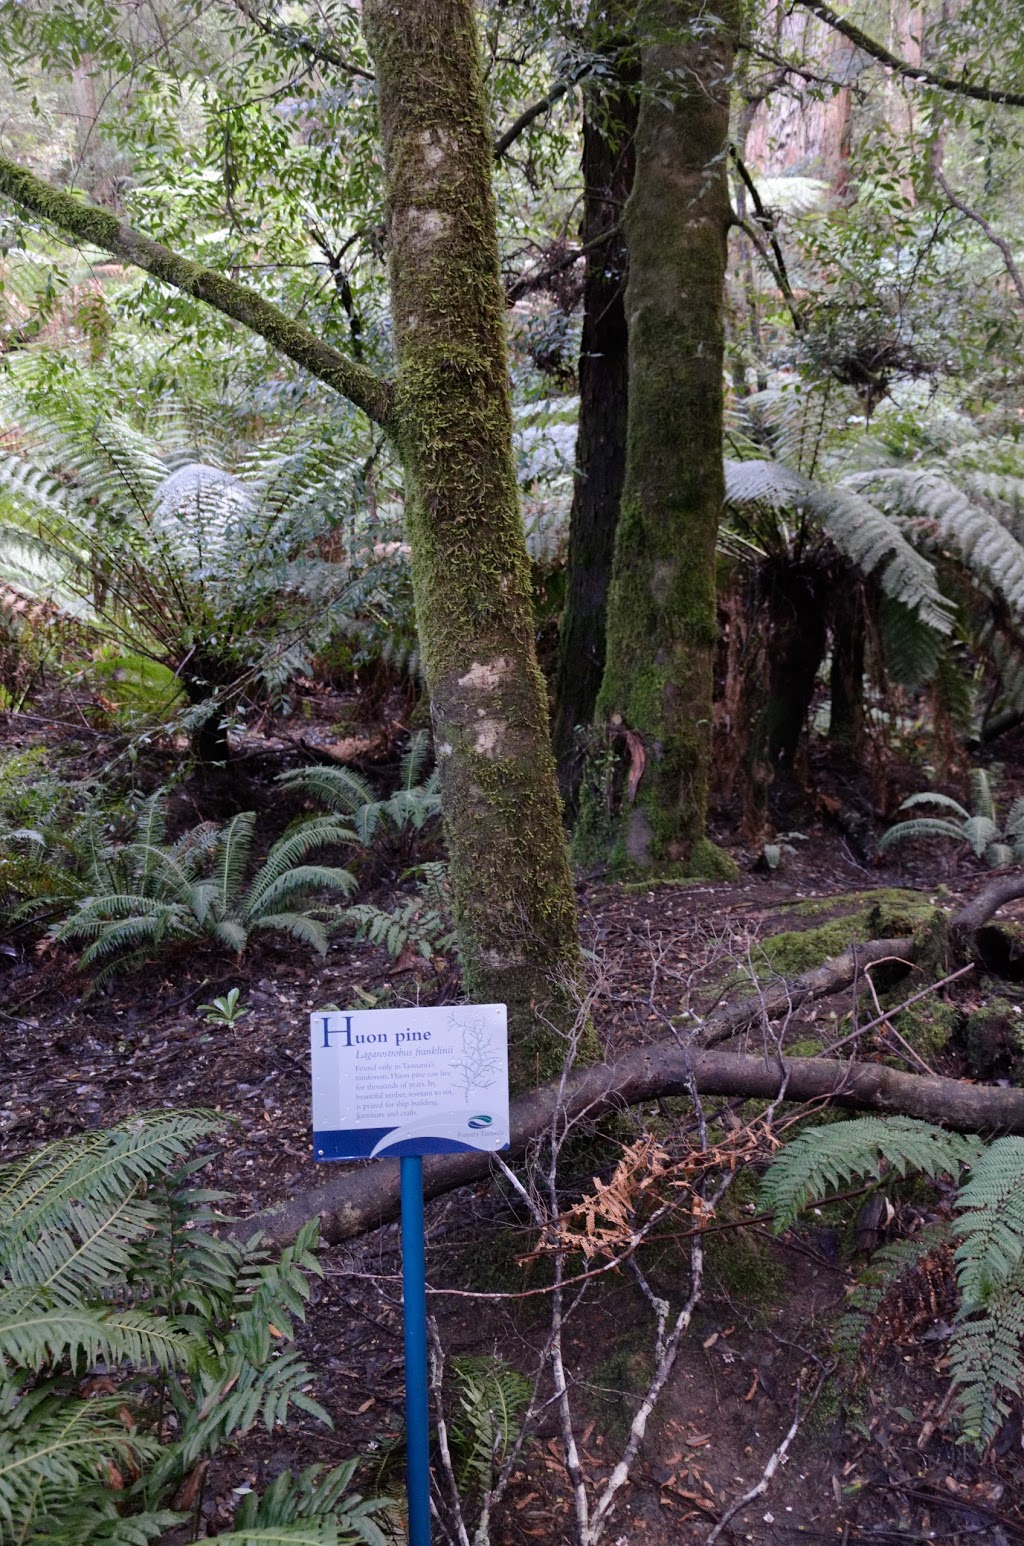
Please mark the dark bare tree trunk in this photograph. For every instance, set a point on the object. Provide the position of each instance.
(609, 126)
(846, 723)
(452, 420)
(656, 696)
(794, 622)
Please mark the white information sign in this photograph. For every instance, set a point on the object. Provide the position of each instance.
(409, 1081)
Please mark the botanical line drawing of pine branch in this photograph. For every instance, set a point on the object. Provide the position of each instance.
(478, 1060)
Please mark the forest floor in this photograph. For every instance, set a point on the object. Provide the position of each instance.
(877, 1458)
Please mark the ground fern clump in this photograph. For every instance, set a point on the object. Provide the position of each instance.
(389, 825)
(987, 1347)
(998, 843)
(149, 894)
(135, 1343)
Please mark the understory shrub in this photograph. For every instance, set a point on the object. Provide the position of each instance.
(998, 842)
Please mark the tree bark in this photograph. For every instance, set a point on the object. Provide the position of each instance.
(794, 622)
(661, 609)
(452, 421)
(846, 722)
(609, 127)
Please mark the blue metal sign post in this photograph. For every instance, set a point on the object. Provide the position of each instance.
(403, 1083)
(414, 1303)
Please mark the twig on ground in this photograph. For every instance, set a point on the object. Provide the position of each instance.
(775, 1459)
(447, 1469)
(909, 1054)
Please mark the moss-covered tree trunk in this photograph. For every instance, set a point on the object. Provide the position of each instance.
(452, 421)
(609, 127)
(661, 613)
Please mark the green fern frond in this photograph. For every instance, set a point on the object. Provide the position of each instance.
(991, 1221)
(980, 833)
(287, 853)
(925, 826)
(37, 1193)
(338, 788)
(823, 1159)
(232, 855)
(413, 760)
(55, 1447)
(987, 1361)
(981, 790)
(33, 1337)
(307, 930)
(492, 1397)
(301, 881)
(933, 797)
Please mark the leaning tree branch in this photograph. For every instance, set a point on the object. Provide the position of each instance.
(977, 912)
(290, 37)
(519, 126)
(999, 242)
(911, 72)
(765, 221)
(98, 227)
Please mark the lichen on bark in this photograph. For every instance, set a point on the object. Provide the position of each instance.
(452, 422)
(661, 631)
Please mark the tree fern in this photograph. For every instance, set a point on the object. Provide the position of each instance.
(215, 574)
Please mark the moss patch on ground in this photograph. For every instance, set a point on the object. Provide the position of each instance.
(869, 915)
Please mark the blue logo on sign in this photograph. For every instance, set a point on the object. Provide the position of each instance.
(481, 1121)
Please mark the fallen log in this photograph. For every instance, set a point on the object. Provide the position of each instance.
(780, 997)
(352, 1202)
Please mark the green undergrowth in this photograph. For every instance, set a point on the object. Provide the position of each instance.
(738, 1262)
(994, 1038)
(621, 1378)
